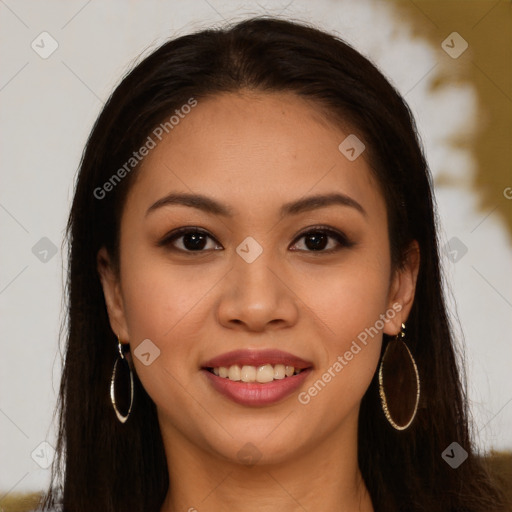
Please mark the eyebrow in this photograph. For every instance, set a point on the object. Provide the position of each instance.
(209, 205)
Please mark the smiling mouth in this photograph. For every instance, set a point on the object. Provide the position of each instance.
(261, 374)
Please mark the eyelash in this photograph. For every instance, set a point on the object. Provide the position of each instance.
(340, 237)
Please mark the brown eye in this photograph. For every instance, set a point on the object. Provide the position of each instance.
(192, 240)
(316, 240)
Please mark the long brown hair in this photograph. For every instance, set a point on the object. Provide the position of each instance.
(105, 466)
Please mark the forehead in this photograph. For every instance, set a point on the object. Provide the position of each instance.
(252, 150)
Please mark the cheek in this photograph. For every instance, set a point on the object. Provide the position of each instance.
(349, 298)
(349, 362)
(158, 298)
(159, 294)
(351, 304)
(166, 304)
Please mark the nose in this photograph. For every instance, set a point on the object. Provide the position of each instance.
(257, 296)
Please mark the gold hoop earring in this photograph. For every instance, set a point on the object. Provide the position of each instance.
(121, 417)
(399, 376)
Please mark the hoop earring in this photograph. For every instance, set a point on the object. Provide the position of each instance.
(400, 376)
(121, 417)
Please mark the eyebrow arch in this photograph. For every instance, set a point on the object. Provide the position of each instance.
(209, 205)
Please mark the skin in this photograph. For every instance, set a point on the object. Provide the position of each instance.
(254, 152)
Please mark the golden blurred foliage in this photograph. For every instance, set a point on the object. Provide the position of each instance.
(486, 26)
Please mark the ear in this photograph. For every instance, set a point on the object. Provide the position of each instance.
(402, 289)
(113, 296)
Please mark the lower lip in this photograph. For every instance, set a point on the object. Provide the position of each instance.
(255, 393)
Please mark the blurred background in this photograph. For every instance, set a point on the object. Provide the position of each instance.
(451, 60)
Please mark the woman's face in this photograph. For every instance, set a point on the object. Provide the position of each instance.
(261, 275)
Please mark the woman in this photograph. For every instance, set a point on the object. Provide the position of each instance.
(256, 318)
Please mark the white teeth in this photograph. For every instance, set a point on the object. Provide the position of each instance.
(262, 374)
(279, 371)
(248, 374)
(234, 372)
(265, 373)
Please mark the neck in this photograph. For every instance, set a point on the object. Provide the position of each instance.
(325, 477)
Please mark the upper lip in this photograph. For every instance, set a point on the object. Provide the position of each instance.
(257, 358)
